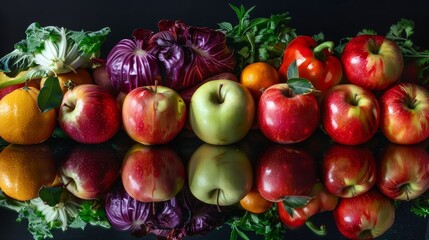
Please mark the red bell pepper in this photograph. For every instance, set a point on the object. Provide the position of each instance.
(321, 201)
(316, 63)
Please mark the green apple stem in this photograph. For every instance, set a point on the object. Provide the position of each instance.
(320, 231)
(217, 199)
(156, 86)
(219, 95)
(318, 50)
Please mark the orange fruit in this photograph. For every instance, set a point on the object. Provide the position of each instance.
(254, 202)
(81, 76)
(24, 169)
(258, 76)
(21, 121)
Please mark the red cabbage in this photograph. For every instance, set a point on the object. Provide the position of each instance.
(131, 64)
(183, 215)
(188, 55)
(124, 212)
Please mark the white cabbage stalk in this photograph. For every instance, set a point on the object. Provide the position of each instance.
(60, 56)
(63, 212)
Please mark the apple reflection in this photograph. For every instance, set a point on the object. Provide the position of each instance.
(403, 171)
(219, 175)
(89, 171)
(348, 171)
(152, 173)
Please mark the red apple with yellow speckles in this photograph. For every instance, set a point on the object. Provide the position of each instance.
(153, 114)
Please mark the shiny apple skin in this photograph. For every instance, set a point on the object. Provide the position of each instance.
(284, 117)
(350, 114)
(153, 115)
(89, 114)
(90, 171)
(403, 171)
(220, 174)
(221, 112)
(152, 173)
(405, 113)
(348, 171)
(285, 171)
(366, 216)
(372, 61)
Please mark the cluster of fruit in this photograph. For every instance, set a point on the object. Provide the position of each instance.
(287, 105)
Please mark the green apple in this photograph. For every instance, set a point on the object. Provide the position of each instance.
(221, 112)
(219, 175)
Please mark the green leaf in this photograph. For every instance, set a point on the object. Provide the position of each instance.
(242, 234)
(51, 195)
(301, 86)
(296, 201)
(226, 26)
(15, 62)
(292, 70)
(78, 223)
(50, 95)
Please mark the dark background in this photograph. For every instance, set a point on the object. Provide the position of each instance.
(336, 19)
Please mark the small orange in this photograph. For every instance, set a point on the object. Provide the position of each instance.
(258, 76)
(21, 121)
(80, 76)
(24, 169)
(254, 202)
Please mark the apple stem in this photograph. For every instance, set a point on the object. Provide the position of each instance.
(219, 96)
(156, 86)
(320, 231)
(217, 199)
(67, 106)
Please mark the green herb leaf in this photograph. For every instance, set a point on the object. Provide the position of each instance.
(50, 95)
(301, 86)
(258, 39)
(51, 195)
(296, 201)
(292, 70)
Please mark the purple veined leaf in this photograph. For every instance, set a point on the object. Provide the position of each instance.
(131, 63)
(189, 55)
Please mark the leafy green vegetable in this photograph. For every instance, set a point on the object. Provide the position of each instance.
(57, 210)
(51, 50)
(258, 39)
(266, 224)
(420, 205)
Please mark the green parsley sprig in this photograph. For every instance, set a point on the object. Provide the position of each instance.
(258, 39)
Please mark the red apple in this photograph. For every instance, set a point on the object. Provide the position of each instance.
(153, 114)
(348, 171)
(89, 114)
(286, 117)
(405, 113)
(89, 171)
(350, 114)
(285, 171)
(403, 172)
(372, 61)
(366, 216)
(152, 173)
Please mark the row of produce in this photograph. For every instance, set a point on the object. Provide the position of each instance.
(219, 85)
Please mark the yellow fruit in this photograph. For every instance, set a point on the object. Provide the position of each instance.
(81, 76)
(21, 121)
(24, 169)
(257, 77)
